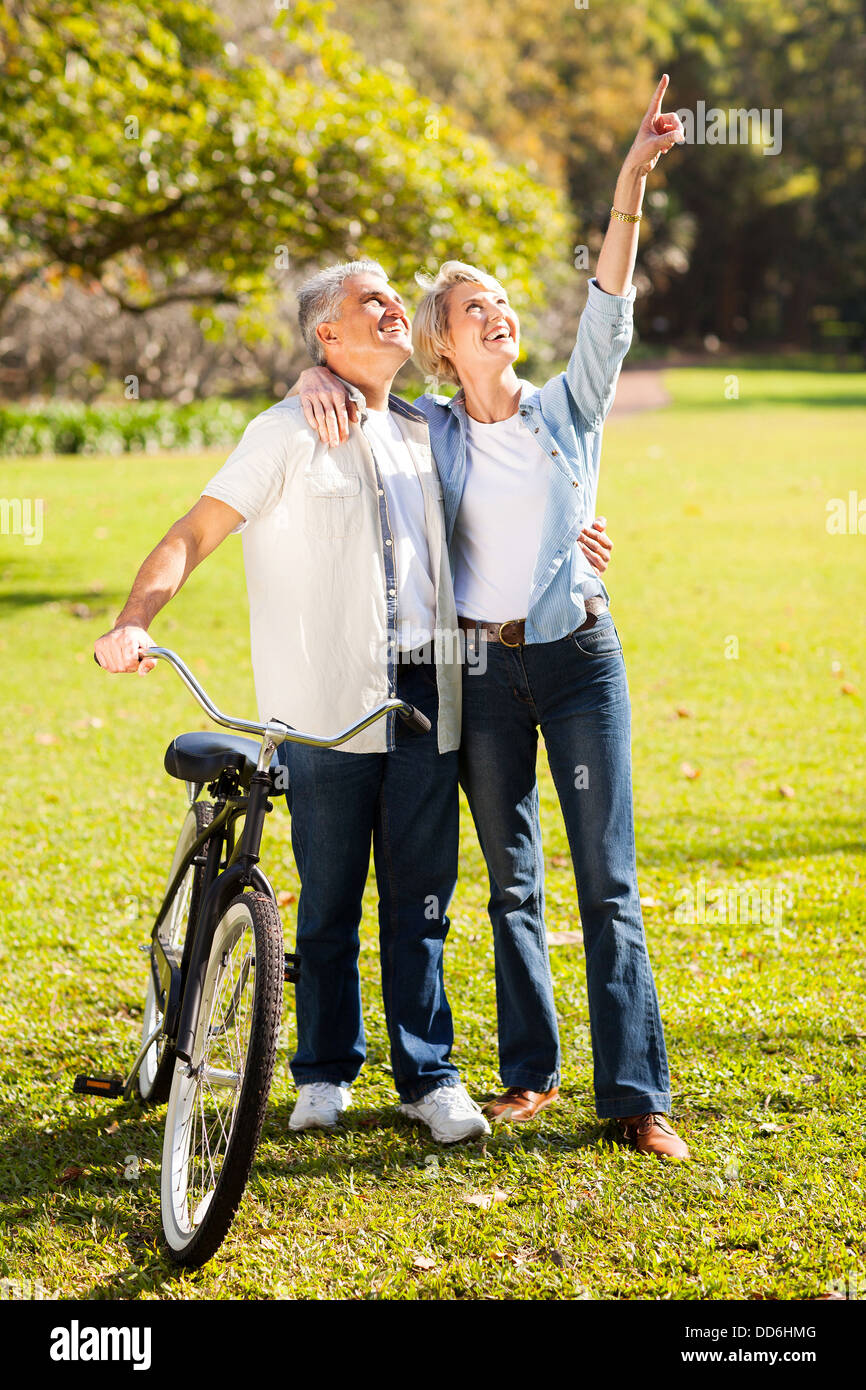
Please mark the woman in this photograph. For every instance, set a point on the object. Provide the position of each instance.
(519, 468)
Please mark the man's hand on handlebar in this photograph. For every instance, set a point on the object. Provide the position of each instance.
(118, 650)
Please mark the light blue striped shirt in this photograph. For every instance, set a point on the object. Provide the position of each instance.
(566, 416)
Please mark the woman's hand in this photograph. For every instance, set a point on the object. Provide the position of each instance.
(658, 132)
(327, 405)
(596, 544)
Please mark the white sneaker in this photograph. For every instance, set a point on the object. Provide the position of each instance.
(319, 1105)
(449, 1113)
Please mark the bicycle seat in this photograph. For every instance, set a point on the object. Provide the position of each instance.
(202, 757)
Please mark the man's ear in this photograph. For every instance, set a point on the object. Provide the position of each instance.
(327, 334)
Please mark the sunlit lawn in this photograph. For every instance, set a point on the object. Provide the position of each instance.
(744, 628)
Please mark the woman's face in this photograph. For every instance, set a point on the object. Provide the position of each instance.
(484, 329)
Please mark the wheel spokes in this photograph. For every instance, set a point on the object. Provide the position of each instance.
(216, 1083)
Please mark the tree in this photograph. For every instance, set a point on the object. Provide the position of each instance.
(144, 152)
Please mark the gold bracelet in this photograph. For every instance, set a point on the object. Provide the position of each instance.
(626, 216)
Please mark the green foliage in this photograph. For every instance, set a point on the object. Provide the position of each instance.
(68, 427)
(732, 242)
(144, 152)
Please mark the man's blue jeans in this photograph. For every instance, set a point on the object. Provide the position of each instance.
(575, 691)
(405, 801)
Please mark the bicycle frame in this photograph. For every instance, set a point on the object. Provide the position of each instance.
(173, 977)
(219, 886)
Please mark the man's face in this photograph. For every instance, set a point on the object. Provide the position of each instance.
(372, 329)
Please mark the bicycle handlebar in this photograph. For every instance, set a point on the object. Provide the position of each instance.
(275, 729)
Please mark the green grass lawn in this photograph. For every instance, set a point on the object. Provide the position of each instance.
(744, 628)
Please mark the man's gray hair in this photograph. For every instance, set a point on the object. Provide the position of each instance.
(320, 298)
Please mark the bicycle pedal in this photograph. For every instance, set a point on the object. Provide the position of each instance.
(110, 1087)
(292, 968)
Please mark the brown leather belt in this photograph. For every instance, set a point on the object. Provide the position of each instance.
(513, 632)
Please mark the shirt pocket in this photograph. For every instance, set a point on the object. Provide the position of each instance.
(333, 505)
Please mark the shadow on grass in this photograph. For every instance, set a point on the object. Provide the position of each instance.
(690, 841)
(34, 1165)
(69, 599)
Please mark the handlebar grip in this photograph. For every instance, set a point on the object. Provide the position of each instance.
(417, 721)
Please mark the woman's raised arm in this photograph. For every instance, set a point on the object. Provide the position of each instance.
(656, 134)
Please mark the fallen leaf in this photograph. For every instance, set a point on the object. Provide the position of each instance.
(422, 1262)
(559, 861)
(113, 1127)
(485, 1200)
(684, 712)
(45, 738)
(786, 790)
(131, 1167)
(564, 938)
(847, 688)
(71, 1173)
(688, 771)
(284, 898)
(768, 1128)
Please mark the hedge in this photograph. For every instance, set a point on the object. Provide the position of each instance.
(70, 427)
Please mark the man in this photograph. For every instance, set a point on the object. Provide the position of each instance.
(350, 602)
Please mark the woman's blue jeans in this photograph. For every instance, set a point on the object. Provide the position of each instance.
(575, 691)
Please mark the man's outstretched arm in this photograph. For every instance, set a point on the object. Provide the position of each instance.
(189, 541)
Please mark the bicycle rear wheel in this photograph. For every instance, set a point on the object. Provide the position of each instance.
(217, 1103)
(155, 1072)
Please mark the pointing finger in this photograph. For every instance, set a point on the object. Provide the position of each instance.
(656, 100)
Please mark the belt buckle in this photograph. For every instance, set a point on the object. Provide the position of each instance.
(502, 639)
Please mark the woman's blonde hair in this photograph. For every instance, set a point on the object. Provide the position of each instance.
(430, 335)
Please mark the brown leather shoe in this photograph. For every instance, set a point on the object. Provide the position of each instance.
(651, 1134)
(522, 1104)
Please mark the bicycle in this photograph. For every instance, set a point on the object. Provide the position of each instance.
(217, 968)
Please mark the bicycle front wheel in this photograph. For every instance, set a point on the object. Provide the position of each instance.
(217, 1102)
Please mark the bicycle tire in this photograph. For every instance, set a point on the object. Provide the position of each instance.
(157, 1066)
(198, 1208)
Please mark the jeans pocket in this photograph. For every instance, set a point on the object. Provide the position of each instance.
(600, 640)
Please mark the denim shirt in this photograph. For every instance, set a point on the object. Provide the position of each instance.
(566, 417)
